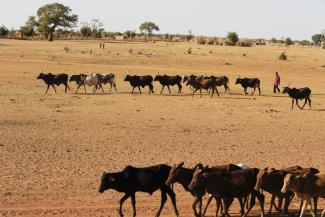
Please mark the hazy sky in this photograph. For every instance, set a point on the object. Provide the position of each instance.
(298, 19)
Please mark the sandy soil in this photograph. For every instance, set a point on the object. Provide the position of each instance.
(54, 148)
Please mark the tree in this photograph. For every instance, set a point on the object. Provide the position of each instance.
(3, 31)
(85, 31)
(318, 39)
(189, 36)
(129, 34)
(29, 28)
(273, 40)
(51, 16)
(288, 41)
(232, 37)
(148, 27)
(95, 28)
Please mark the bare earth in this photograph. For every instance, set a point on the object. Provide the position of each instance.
(54, 148)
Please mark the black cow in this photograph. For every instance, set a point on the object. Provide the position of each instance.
(166, 80)
(249, 82)
(137, 81)
(80, 80)
(300, 93)
(132, 180)
(51, 79)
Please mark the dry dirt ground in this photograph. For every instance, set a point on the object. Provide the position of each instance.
(54, 148)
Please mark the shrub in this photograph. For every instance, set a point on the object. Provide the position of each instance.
(67, 49)
(273, 40)
(189, 51)
(3, 31)
(85, 31)
(232, 37)
(288, 41)
(201, 40)
(305, 43)
(283, 56)
(210, 41)
(129, 34)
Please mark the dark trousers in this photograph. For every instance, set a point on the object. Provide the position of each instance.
(276, 88)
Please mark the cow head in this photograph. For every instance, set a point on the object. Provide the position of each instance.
(286, 88)
(261, 178)
(157, 77)
(287, 183)
(198, 179)
(127, 78)
(185, 78)
(40, 76)
(107, 181)
(175, 174)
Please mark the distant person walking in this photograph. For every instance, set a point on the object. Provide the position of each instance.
(100, 46)
(103, 46)
(276, 83)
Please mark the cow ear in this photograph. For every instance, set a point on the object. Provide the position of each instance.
(180, 164)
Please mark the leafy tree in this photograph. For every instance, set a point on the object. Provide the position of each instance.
(288, 41)
(85, 31)
(52, 16)
(232, 37)
(318, 39)
(129, 34)
(3, 31)
(189, 36)
(148, 27)
(29, 29)
(95, 27)
(305, 43)
(273, 40)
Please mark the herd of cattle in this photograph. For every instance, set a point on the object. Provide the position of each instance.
(222, 183)
(196, 82)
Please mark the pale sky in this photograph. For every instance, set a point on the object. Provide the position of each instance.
(298, 19)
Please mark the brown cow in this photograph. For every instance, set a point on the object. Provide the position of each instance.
(236, 184)
(183, 175)
(271, 181)
(306, 187)
(204, 83)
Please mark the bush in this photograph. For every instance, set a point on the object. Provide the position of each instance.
(288, 41)
(85, 31)
(273, 40)
(189, 51)
(67, 49)
(129, 34)
(201, 40)
(210, 41)
(283, 56)
(3, 31)
(232, 37)
(305, 43)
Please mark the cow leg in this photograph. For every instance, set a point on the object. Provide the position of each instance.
(259, 90)
(323, 213)
(208, 203)
(212, 92)
(78, 88)
(315, 199)
(172, 196)
(227, 202)
(47, 89)
(53, 87)
(288, 198)
(242, 206)
(115, 87)
(126, 196)
(162, 89)
(85, 88)
(303, 208)
(305, 103)
(253, 91)
(179, 88)
(292, 103)
(271, 204)
(163, 201)
(150, 88)
(279, 204)
(139, 89)
(132, 89)
(169, 89)
(200, 92)
(245, 90)
(195, 202)
(194, 92)
(133, 205)
(216, 89)
(298, 104)
(66, 87)
(101, 87)
(110, 89)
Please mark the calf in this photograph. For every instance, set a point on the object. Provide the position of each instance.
(140, 81)
(166, 80)
(306, 187)
(300, 93)
(51, 79)
(238, 184)
(183, 175)
(108, 78)
(132, 180)
(79, 79)
(249, 82)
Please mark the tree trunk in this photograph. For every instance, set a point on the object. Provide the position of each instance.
(50, 36)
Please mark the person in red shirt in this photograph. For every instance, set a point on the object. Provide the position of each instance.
(276, 83)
